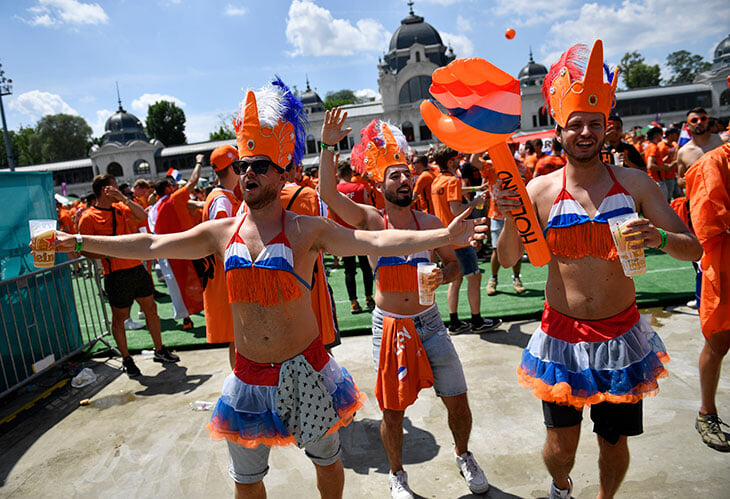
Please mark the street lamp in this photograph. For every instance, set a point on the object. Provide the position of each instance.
(6, 88)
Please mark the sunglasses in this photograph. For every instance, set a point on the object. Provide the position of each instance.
(259, 166)
(698, 119)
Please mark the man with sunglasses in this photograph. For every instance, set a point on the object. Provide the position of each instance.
(702, 142)
(285, 388)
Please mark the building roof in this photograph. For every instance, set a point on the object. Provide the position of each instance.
(532, 69)
(60, 165)
(412, 30)
(123, 127)
(364, 109)
(723, 48)
(656, 91)
(198, 147)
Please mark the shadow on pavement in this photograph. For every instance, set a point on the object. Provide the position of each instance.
(172, 379)
(512, 336)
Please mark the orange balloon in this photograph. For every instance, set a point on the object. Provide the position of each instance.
(509, 34)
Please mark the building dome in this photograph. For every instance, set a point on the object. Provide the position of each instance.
(311, 100)
(532, 70)
(722, 52)
(123, 127)
(412, 30)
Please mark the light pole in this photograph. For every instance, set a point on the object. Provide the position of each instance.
(6, 88)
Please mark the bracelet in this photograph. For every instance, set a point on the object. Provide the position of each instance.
(663, 233)
(327, 147)
(79, 243)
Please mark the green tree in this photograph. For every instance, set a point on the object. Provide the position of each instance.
(225, 127)
(26, 148)
(685, 66)
(60, 137)
(339, 98)
(166, 123)
(636, 73)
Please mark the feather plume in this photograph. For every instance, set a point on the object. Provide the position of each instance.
(373, 133)
(575, 59)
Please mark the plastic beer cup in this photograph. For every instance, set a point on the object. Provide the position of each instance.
(632, 259)
(42, 233)
(426, 293)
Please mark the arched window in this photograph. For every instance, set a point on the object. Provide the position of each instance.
(141, 167)
(415, 89)
(407, 129)
(418, 57)
(725, 97)
(424, 131)
(311, 145)
(115, 169)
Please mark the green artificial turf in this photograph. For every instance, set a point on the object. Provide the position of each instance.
(666, 281)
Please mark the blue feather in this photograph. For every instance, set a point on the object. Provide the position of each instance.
(295, 114)
(609, 74)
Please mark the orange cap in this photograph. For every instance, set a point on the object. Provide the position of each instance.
(222, 157)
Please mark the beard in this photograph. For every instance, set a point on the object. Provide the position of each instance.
(262, 197)
(399, 199)
(698, 130)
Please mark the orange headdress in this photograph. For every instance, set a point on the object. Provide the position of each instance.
(572, 85)
(271, 122)
(382, 145)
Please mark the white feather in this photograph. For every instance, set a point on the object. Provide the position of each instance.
(269, 99)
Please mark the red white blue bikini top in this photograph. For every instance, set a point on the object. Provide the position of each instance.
(276, 255)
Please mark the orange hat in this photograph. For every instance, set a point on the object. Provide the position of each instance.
(381, 146)
(222, 157)
(271, 122)
(567, 88)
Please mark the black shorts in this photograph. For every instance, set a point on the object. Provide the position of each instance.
(123, 286)
(610, 421)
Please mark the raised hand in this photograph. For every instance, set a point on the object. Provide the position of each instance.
(332, 131)
(464, 232)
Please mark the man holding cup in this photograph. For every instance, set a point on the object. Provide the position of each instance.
(592, 347)
(419, 352)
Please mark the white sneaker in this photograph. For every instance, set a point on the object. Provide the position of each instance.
(472, 473)
(692, 304)
(130, 325)
(399, 488)
(556, 493)
(140, 315)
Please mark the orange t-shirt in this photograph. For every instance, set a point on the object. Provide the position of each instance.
(652, 150)
(422, 189)
(96, 221)
(218, 312)
(306, 202)
(548, 164)
(445, 188)
(65, 221)
(667, 152)
(531, 161)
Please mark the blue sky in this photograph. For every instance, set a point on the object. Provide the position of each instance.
(66, 55)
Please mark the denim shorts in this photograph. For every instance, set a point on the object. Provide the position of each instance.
(252, 465)
(495, 227)
(468, 260)
(448, 375)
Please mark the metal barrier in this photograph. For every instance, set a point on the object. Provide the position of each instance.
(47, 316)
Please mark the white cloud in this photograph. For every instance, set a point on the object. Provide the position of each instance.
(72, 12)
(462, 45)
(36, 104)
(98, 124)
(233, 10)
(367, 94)
(533, 12)
(312, 30)
(141, 103)
(199, 125)
(633, 26)
(463, 24)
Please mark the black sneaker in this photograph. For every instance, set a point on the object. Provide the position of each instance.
(485, 326)
(459, 328)
(131, 368)
(165, 355)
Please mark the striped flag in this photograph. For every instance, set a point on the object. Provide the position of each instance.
(174, 174)
(684, 136)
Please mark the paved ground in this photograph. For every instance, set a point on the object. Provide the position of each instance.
(139, 438)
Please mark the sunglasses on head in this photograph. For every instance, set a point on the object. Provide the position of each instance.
(698, 119)
(259, 166)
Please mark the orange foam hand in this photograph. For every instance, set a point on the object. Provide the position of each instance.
(483, 110)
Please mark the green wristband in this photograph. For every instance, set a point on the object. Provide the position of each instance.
(327, 147)
(663, 233)
(79, 243)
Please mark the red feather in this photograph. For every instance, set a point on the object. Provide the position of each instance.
(357, 156)
(575, 59)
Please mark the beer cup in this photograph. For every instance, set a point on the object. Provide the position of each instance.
(426, 293)
(42, 234)
(632, 259)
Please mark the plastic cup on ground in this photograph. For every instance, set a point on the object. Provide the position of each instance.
(42, 234)
(426, 293)
(632, 259)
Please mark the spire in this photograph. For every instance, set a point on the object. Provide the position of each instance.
(119, 99)
(532, 61)
(308, 89)
(410, 6)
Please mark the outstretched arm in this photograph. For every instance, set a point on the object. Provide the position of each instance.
(332, 133)
(198, 242)
(195, 176)
(337, 240)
